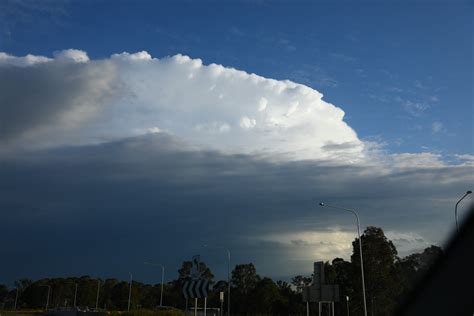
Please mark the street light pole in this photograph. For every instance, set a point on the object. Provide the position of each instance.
(162, 282)
(456, 209)
(129, 291)
(347, 305)
(47, 298)
(75, 295)
(16, 299)
(360, 247)
(162, 278)
(97, 298)
(228, 282)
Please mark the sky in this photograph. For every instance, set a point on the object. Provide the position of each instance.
(134, 132)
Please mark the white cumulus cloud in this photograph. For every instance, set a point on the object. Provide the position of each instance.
(212, 105)
(71, 55)
(28, 60)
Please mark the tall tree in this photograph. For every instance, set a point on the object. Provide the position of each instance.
(3, 292)
(413, 267)
(184, 273)
(220, 286)
(244, 280)
(300, 281)
(266, 297)
(381, 283)
(343, 274)
(22, 284)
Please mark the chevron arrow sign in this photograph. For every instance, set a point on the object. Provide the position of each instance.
(195, 288)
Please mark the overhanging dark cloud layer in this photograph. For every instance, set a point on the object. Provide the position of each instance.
(103, 209)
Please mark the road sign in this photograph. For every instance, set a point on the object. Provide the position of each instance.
(195, 288)
(319, 291)
(318, 275)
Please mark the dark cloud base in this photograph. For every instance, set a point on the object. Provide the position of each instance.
(104, 209)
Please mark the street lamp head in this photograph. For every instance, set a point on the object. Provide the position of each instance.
(469, 192)
(321, 204)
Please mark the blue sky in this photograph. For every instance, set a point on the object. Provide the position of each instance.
(125, 158)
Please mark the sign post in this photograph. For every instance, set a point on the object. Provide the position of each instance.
(197, 287)
(221, 297)
(320, 292)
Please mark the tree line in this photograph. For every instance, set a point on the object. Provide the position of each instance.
(388, 280)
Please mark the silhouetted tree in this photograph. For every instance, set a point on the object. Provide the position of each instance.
(184, 273)
(381, 284)
(413, 267)
(387, 278)
(3, 295)
(300, 281)
(244, 280)
(265, 297)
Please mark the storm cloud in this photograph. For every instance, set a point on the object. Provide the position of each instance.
(106, 163)
(70, 100)
(153, 196)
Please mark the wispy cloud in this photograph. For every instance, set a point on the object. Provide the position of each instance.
(313, 76)
(18, 12)
(286, 44)
(418, 84)
(342, 57)
(415, 108)
(437, 127)
(433, 98)
(234, 30)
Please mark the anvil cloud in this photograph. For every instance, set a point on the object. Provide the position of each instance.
(71, 100)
